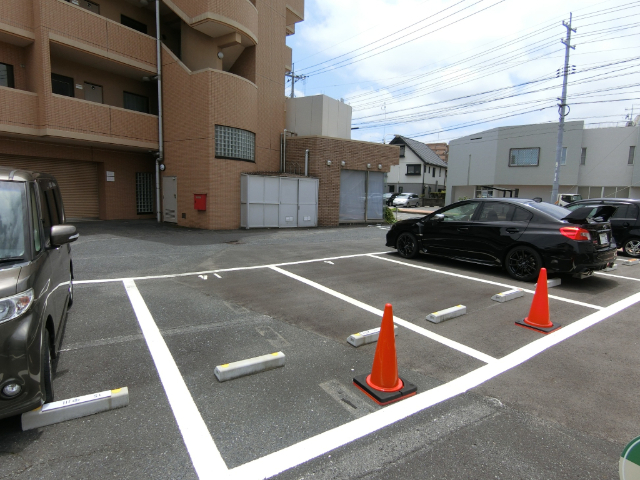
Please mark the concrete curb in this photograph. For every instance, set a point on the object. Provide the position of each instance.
(508, 295)
(446, 314)
(229, 371)
(611, 268)
(77, 407)
(553, 282)
(366, 337)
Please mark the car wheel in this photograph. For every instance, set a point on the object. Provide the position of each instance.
(47, 370)
(523, 263)
(407, 245)
(632, 247)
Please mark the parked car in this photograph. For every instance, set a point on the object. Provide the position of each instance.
(519, 235)
(36, 287)
(565, 199)
(625, 222)
(406, 200)
(387, 198)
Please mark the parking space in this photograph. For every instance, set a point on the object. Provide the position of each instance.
(479, 376)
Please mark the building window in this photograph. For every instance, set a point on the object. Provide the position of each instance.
(433, 172)
(144, 193)
(524, 157)
(583, 157)
(62, 85)
(563, 156)
(131, 23)
(632, 152)
(235, 144)
(400, 189)
(6, 75)
(401, 151)
(138, 103)
(413, 169)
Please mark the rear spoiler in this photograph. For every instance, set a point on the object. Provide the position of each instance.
(587, 214)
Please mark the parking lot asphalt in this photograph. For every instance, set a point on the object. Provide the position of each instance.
(495, 400)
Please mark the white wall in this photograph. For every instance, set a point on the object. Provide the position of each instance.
(318, 115)
(398, 174)
(483, 159)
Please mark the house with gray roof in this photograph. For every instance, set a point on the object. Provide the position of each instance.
(420, 170)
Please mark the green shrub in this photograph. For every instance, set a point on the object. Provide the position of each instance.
(389, 216)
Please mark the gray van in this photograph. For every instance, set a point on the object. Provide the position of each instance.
(36, 286)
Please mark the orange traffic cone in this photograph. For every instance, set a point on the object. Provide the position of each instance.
(538, 318)
(383, 385)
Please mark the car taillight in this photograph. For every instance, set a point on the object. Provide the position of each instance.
(575, 233)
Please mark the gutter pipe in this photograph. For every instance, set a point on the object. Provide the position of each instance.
(160, 158)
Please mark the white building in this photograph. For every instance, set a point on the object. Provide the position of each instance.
(520, 161)
(420, 169)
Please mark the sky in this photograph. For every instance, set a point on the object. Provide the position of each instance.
(436, 70)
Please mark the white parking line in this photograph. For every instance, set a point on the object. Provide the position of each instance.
(490, 282)
(313, 447)
(618, 276)
(234, 269)
(422, 331)
(204, 454)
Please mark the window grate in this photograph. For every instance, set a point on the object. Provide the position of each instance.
(144, 193)
(235, 143)
(524, 157)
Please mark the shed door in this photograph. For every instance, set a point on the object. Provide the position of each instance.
(78, 182)
(352, 195)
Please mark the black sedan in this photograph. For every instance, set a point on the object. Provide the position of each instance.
(625, 222)
(518, 234)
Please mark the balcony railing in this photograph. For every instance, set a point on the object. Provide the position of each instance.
(17, 13)
(95, 121)
(78, 24)
(19, 109)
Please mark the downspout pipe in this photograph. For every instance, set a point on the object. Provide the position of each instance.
(306, 162)
(160, 158)
(284, 152)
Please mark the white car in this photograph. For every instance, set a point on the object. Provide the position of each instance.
(406, 200)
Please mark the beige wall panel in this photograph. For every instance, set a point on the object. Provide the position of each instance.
(112, 9)
(30, 148)
(18, 13)
(240, 12)
(18, 108)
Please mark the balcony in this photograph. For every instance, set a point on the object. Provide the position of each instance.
(208, 97)
(78, 28)
(217, 18)
(16, 17)
(103, 124)
(295, 11)
(19, 112)
(288, 59)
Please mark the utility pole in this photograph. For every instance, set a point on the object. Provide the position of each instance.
(561, 105)
(294, 77)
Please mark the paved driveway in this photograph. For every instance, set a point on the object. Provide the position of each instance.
(158, 307)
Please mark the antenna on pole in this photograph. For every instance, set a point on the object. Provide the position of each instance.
(294, 77)
(561, 107)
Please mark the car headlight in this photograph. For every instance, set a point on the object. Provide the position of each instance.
(13, 307)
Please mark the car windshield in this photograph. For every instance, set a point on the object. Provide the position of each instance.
(550, 209)
(12, 220)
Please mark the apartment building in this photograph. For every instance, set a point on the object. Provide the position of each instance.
(78, 90)
(520, 161)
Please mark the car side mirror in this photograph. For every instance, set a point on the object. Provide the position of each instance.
(61, 234)
(438, 217)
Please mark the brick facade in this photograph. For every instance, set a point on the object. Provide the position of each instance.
(356, 155)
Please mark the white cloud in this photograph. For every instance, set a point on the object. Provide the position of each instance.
(337, 27)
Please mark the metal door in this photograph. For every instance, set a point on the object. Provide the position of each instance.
(92, 92)
(352, 195)
(375, 188)
(288, 215)
(170, 199)
(307, 203)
